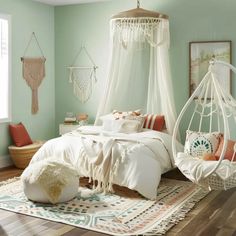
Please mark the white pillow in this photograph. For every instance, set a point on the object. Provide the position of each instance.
(199, 143)
(127, 123)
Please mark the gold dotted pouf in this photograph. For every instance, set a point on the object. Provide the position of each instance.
(21, 156)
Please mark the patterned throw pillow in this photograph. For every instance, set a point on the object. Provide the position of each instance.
(155, 122)
(200, 143)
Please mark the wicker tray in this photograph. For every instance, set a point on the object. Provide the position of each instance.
(21, 156)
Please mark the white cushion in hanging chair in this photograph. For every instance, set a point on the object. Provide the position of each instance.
(197, 169)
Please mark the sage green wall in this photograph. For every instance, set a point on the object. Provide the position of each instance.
(27, 17)
(88, 24)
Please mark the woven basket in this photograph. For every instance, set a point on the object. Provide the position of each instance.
(21, 156)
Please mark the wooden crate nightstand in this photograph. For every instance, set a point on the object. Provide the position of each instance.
(64, 128)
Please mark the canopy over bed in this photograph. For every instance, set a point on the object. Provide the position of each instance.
(139, 73)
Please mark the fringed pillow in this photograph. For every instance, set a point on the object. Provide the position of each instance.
(198, 144)
(155, 122)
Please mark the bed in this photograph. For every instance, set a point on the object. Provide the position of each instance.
(134, 160)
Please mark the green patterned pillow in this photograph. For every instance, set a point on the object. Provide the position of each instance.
(199, 143)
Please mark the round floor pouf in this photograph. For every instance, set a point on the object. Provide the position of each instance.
(21, 156)
(50, 181)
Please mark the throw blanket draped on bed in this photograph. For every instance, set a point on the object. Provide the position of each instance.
(100, 160)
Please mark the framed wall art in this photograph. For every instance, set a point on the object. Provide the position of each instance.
(200, 53)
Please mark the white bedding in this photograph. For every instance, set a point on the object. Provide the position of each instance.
(148, 156)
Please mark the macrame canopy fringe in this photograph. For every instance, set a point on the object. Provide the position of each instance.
(33, 69)
(139, 13)
(146, 25)
(83, 78)
(212, 109)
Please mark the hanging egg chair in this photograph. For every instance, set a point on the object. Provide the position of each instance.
(209, 157)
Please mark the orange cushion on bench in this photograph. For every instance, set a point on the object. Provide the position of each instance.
(19, 135)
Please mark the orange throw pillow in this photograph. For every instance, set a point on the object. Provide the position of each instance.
(229, 153)
(155, 122)
(19, 135)
(209, 157)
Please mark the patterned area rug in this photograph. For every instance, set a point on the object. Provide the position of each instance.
(111, 214)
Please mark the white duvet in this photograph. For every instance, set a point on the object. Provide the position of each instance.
(148, 155)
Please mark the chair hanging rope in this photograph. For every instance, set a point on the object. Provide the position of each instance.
(209, 157)
(138, 3)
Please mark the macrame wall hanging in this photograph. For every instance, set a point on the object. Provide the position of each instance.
(83, 78)
(33, 69)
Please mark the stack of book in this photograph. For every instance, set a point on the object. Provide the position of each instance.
(70, 119)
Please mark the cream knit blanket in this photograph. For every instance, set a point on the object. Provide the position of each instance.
(100, 158)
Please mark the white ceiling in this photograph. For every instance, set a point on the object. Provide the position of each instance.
(67, 2)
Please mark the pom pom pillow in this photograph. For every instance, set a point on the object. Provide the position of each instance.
(50, 181)
(199, 143)
(123, 122)
(19, 135)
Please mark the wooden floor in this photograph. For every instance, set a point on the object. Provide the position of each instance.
(215, 215)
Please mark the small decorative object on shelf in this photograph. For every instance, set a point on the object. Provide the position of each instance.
(82, 119)
(72, 122)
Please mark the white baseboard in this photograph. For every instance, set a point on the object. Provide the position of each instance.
(5, 161)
